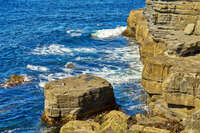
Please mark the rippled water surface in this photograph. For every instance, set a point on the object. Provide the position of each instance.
(39, 37)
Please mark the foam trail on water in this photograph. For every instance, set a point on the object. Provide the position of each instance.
(85, 50)
(108, 33)
(53, 49)
(37, 68)
(58, 49)
(44, 78)
(74, 33)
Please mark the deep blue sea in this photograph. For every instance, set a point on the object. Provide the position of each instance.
(39, 37)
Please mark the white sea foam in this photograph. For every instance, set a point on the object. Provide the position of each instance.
(114, 74)
(74, 33)
(37, 68)
(44, 78)
(53, 49)
(57, 49)
(129, 55)
(85, 50)
(139, 106)
(109, 33)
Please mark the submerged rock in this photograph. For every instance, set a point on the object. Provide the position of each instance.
(15, 80)
(70, 65)
(76, 98)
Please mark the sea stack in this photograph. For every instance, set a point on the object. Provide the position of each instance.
(76, 97)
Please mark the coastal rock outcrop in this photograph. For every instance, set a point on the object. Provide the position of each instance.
(76, 97)
(168, 32)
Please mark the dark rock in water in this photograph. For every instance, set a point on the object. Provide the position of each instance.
(70, 65)
(15, 80)
(76, 98)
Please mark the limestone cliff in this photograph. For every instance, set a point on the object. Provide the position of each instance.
(168, 31)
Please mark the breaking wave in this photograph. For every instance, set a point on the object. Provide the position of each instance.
(108, 33)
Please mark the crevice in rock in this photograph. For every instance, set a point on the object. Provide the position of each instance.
(180, 106)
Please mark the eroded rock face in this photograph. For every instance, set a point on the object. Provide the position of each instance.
(76, 97)
(170, 55)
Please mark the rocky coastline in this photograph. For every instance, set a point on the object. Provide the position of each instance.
(169, 35)
(168, 32)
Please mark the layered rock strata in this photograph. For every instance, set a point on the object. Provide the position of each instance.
(76, 98)
(168, 31)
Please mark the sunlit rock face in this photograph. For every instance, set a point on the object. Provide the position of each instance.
(76, 98)
(168, 31)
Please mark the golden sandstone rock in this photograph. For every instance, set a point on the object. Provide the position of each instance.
(114, 122)
(76, 98)
(80, 127)
(170, 55)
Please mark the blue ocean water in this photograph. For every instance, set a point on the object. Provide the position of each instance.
(39, 37)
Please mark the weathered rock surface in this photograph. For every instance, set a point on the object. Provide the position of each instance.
(192, 123)
(118, 122)
(197, 28)
(76, 98)
(15, 80)
(114, 122)
(189, 29)
(168, 31)
(111, 122)
(143, 129)
(80, 127)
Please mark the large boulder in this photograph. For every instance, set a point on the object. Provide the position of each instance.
(76, 98)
